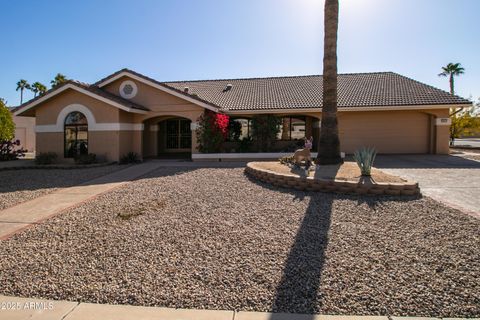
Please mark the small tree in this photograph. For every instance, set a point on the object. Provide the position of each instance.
(212, 131)
(464, 123)
(265, 128)
(7, 126)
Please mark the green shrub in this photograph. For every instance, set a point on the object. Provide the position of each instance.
(212, 131)
(7, 126)
(364, 158)
(265, 128)
(131, 157)
(46, 158)
(245, 144)
(86, 158)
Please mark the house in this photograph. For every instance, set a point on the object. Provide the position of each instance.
(129, 112)
(25, 132)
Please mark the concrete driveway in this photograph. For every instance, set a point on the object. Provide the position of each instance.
(452, 180)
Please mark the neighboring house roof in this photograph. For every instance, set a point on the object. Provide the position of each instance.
(378, 89)
(84, 88)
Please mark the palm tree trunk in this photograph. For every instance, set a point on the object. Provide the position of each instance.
(452, 91)
(329, 142)
(21, 96)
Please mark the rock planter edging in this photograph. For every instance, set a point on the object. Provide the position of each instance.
(408, 188)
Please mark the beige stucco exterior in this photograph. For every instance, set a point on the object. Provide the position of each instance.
(113, 132)
(25, 132)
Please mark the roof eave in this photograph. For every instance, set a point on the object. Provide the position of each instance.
(29, 105)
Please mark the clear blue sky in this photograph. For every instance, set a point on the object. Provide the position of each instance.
(210, 39)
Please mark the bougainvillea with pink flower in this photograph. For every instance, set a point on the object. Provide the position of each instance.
(212, 131)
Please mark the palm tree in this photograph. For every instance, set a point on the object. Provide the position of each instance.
(37, 87)
(329, 142)
(59, 79)
(452, 70)
(22, 85)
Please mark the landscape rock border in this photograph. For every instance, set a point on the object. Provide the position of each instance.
(407, 188)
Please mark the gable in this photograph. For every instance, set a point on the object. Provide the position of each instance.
(113, 82)
(86, 90)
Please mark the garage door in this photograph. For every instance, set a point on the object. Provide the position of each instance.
(388, 132)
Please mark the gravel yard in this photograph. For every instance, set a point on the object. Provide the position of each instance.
(21, 185)
(211, 238)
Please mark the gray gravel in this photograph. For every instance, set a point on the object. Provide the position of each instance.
(22, 185)
(211, 238)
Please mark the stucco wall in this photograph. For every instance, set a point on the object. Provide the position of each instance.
(47, 112)
(25, 132)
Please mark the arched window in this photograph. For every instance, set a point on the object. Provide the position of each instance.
(76, 134)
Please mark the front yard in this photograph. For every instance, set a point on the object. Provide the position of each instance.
(17, 186)
(211, 238)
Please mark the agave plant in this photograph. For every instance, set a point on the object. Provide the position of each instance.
(364, 158)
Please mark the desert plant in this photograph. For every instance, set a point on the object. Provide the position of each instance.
(9, 150)
(46, 158)
(212, 131)
(86, 158)
(265, 128)
(131, 157)
(364, 158)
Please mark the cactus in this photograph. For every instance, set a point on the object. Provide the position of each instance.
(364, 158)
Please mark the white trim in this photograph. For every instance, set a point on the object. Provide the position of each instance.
(156, 85)
(92, 123)
(81, 90)
(128, 83)
(443, 121)
(251, 155)
(114, 126)
(194, 126)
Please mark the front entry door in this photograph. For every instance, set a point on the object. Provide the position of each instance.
(178, 135)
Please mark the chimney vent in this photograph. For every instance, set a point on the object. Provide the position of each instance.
(229, 87)
(185, 89)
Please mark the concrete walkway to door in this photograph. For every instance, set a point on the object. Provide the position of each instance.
(453, 180)
(27, 213)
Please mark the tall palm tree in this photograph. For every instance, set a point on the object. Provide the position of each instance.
(329, 142)
(22, 85)
(59, 79)
(38, 88)
(451, 70)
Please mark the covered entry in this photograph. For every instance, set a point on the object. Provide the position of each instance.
(168, 137)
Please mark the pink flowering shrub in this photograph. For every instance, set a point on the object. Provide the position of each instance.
(212, 131)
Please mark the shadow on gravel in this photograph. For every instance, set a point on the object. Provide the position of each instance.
(297, 291)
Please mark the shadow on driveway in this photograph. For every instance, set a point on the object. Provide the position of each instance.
(427, 161)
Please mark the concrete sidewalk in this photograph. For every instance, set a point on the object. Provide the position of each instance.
(27, 213)
(14, 308)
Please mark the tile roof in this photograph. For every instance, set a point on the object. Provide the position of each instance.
(354, 90)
